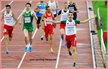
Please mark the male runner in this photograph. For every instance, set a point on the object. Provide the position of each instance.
(40, 10)
(64, 16)
(70, 29)
(27, 17)
(47, 26)
(54, 7)
(9, 19)
(73, 8)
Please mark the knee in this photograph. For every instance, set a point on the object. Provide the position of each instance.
(51, 37)
(74, 50)
(5, 37)
(62, 31)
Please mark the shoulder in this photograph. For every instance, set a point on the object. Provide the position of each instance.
(3, 12)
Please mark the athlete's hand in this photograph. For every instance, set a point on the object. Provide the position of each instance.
(47, 20)
(53, 9)
(93, 17)
(39, 10)
(19, 23)
(13, 25)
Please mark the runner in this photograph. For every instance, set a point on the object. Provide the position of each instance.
(64, 16)
(73, 8)
(70, 29)
(9, 19)
(27, 17)
(40, 10)
(54, 7)
(47, 26)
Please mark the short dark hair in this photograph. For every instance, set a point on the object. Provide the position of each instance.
(47, 7)
(28, 4)
(8, 6)
(70, 12)
(65, 3)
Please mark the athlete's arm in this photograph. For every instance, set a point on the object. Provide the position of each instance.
(36, 8)
(20, 19)
(77, 10)
(53, 16)
(85, 21)
(41, 21)
(58, 14)
(33, 14)
(57, 5)
(2, 16)
(53, 21)
(15, 18)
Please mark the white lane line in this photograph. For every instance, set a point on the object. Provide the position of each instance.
(5, 8)
(26, 52)
(17, 19)
(58, 53)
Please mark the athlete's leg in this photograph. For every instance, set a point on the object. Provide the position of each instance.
(46, 33)
(30, 40)
(10, 34)
(6, 42)
(51, 42)
(38, 22)
(69, 47)
(26, 39)
(42, 37)
(74, 56)
(62, 33)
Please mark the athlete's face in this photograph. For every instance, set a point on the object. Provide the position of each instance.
(8, 9)
(27, 7)
(65, 6)
(48, 9)
(70, 2)
(70, 16)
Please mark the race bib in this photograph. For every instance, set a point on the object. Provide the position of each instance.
(42, 11)
(71, 9)
(8, 20)
(70, 29)
(27, 20)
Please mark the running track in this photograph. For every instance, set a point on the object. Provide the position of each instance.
(41, 49)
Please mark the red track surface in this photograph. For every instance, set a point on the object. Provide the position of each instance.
(41, 49)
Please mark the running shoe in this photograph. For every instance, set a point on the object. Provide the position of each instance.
(74, 64)
(62, 37)
(7, 51)
(26, 49)
(70, 53)
(30, 49)
(42, 37)
(65, 45)
(51, 50)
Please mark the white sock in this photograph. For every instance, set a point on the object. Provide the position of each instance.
(26, 45)
(42, 36)
(30, 45)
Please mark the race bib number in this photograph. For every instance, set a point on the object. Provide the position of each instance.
(27, 20)
(71, 9)
(8, 20)
(70, 29)
(42, 11)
